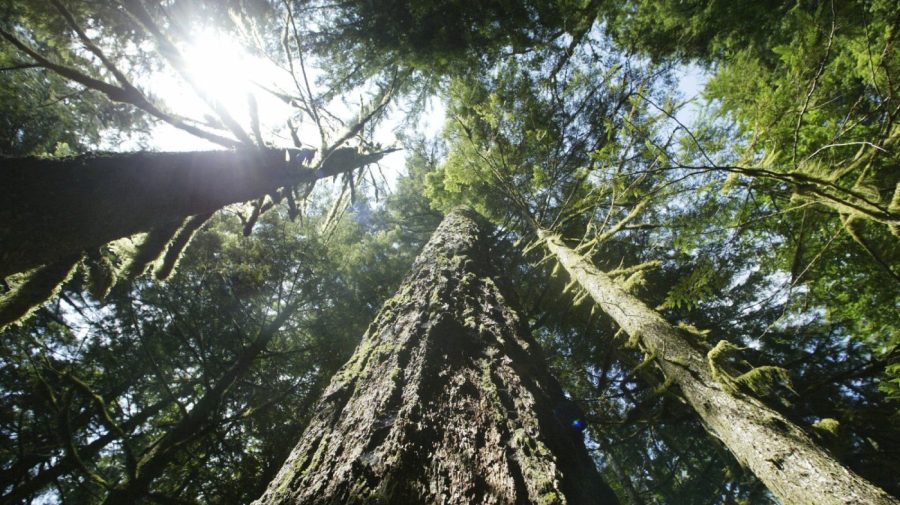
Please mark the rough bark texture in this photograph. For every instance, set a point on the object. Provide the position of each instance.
(446, 400)
(779, 452)
(53, 208)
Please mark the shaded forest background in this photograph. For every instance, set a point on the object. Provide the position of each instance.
(761, 217)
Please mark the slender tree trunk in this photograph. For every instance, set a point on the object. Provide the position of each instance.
(52, 208)
(780, 453)
(634, 498)
(446, 400)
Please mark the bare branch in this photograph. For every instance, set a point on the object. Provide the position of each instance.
(168, 50)
(90, 46)
(815, 82)
(20, 66)
(116, 94)
(309, 99)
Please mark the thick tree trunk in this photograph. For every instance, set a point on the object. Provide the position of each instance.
(446, 400)
(780, 453)
(54, 208)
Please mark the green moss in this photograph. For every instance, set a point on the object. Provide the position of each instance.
(716, 358)
(388, 310)
(531, 454)
(762, 380)
(580, 297)
(556, 270)
(662, 388)
(354, 366)
(549, 498)
(178, 244)
(699, 334)
(283, 487)
(467, 280)
(648, 359)
(498, 411)
(359, 364)
(361, 493)
(634, 340)
(316, 458)
(36, 287)
(151, 249)
(100, 274)
(634, 281)
(759, 381)
(827, 426)
(435, 299)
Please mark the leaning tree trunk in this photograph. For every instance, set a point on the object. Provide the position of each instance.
(52, 209)
(446, 400)
(779, 452)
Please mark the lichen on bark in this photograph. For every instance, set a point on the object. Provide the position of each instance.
(784, 457)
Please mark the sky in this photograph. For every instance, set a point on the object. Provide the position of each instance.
(228, 73)
(691, 81)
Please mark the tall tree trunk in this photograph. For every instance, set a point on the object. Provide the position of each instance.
(446, 400)
(780, 453)
(54, 208)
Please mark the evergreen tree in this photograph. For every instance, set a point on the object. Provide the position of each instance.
(757, 237)
(518, 152)
(780, 453)
(445, 399)
(58, 211)
(183, 390)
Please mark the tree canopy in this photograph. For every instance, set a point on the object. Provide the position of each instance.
(730, 165)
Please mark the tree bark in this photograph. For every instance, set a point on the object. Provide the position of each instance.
(779, 452)
(446, 400)
(54, 208)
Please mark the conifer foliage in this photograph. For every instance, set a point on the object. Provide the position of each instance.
(693, 207)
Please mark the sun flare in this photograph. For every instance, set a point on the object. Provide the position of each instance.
(221, 74)
(220, 66)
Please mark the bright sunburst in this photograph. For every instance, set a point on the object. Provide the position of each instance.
(224, 69)
(221, 72)
(224, 72)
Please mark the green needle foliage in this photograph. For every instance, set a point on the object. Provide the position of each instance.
(91, 391)
(760, 219)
